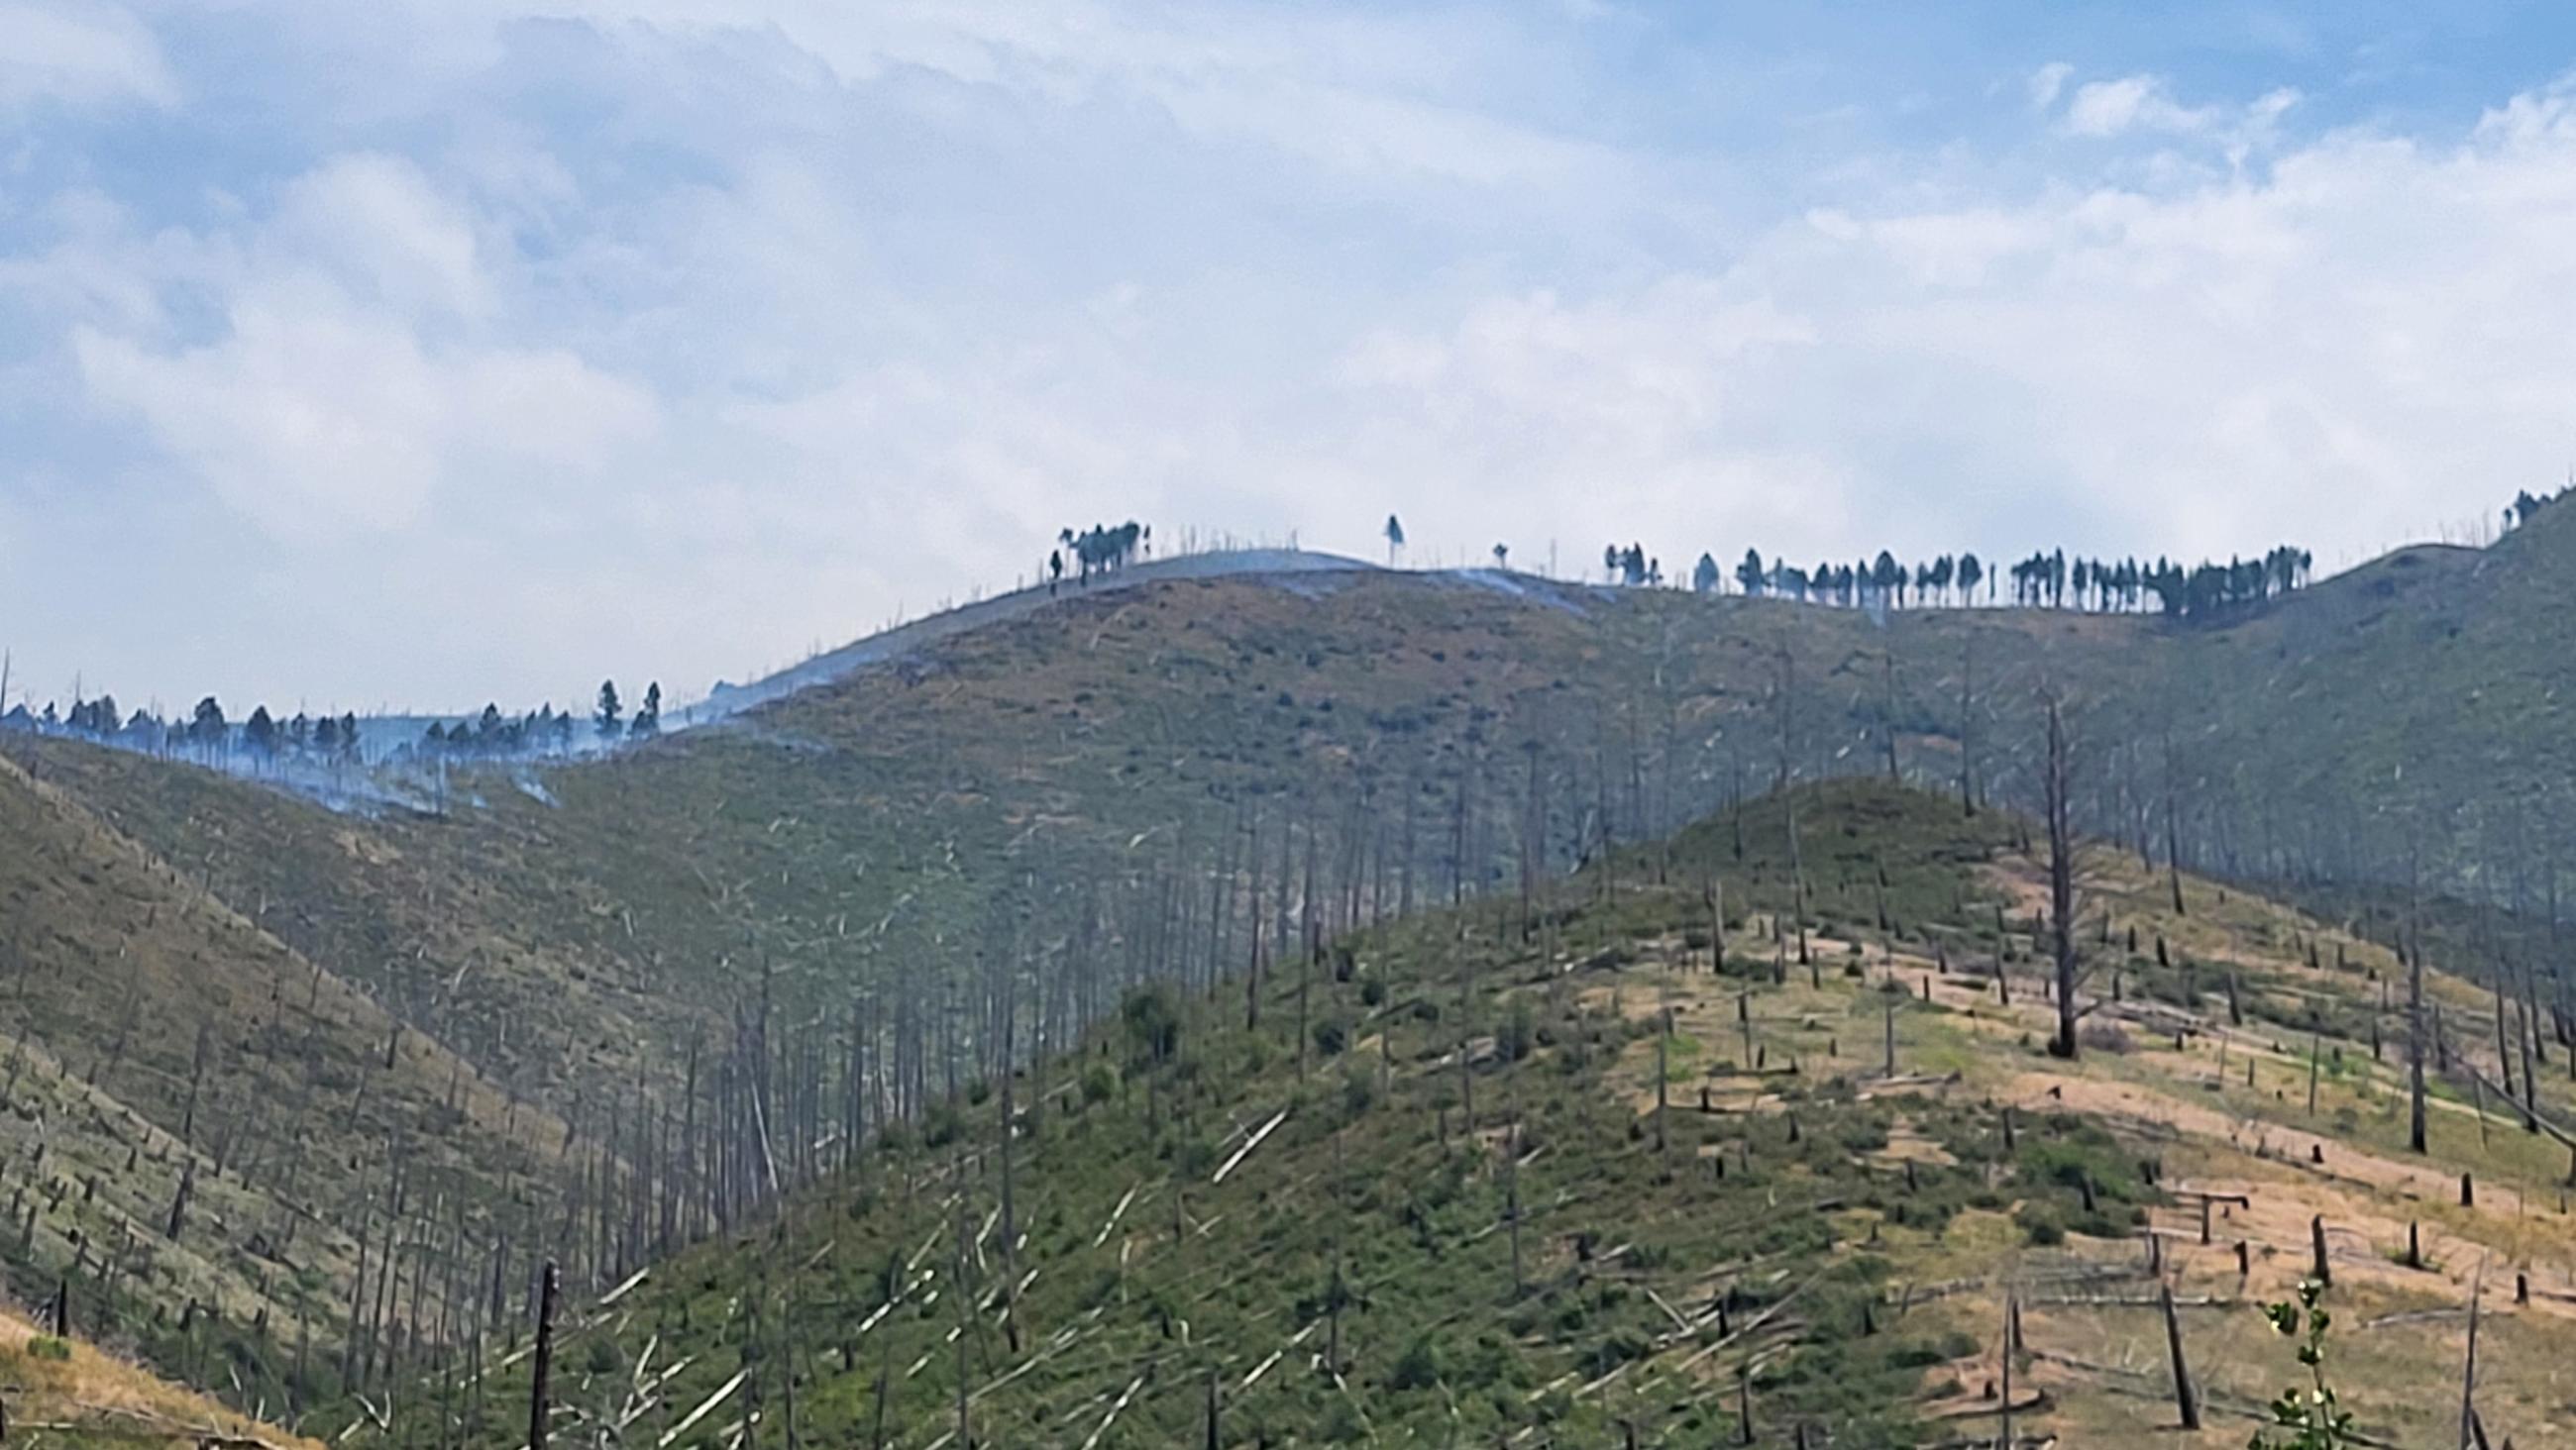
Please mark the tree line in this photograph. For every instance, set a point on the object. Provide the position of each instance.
(493, 735)
(1098, 549)
(206, 730)
(262, 740)
(2043, 580)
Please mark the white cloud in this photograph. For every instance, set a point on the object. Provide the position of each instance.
(1361, 90)
(2364, 344)
(321, 420)
(375, 222)
(2142, 103)
(2108, 108)
(814, 312)
(83, 54)
(2047, 82)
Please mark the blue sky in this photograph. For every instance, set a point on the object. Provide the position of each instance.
(428, 354)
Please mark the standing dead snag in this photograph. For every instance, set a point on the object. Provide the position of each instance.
(2173, 830)
(2469, 1372)
(543, 1361)
(2415, 1137)
(1010, 1219)
(957, 1281)
(1512, 1178)
(2185, 1399)
(1714, 894)
(2012, 1336)
(1662, 1143)
(2315, 1043)
(2061, 881)
(179, 1204)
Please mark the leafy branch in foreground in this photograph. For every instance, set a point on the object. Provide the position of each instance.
(2310, 1418)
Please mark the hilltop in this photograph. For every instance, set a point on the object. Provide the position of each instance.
(898, 640)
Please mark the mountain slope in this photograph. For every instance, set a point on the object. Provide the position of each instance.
(69, 1393)
(644, 963)
(202, 1123)
(1426, 1193)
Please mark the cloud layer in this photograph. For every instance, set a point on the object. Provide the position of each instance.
(666, 340)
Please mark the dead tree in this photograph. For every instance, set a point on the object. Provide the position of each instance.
(542, 1362)
(2415, 1136)
(179, 1204)
(1512, 1177)
(2185, 1399)
(2061, 880)
(2469, 1371)
(1967, 726)
(2173, 827)
(1887, 674)
(2012, 1322)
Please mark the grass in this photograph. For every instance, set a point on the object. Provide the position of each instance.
(558, 949)
(70, 1393)
(1377, 1193)
(150, 1034)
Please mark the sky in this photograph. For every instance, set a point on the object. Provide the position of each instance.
(423, 354)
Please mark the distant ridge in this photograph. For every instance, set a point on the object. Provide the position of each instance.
(727, 698)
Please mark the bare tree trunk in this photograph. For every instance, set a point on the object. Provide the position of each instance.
(1968, 727)
(2173, 829)
(2012, 1314)
(543, 1360)
(1010, 1219)
(2186, 1399)
(2061, 881)
(2415, 1136)
(1888, 676)
(2469, 1371)
(1512, 1176)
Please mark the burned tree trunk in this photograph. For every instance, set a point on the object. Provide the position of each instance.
(1968, 727)
(2186, 1400)
(2173, 828)
(2415, 1136)
(2061, 881)
(542, 1363)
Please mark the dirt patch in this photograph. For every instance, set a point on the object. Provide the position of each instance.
(2361, 1196)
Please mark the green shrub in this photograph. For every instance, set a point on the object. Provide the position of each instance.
(1099, 1083)
(1331, 1037)
(1418, 1368)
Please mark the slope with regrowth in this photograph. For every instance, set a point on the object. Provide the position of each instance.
(201, 1124)
(577, 939)
(1584, 1170)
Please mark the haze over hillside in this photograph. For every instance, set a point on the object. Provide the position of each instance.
(1703, 729)
(675, 985)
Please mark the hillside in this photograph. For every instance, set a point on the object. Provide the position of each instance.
(666, 985)
(897, 641)
(1422, 1186)
(203, 1125)
(66, 1392)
